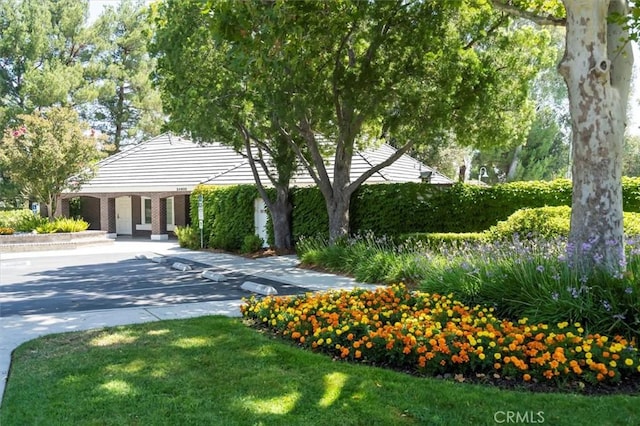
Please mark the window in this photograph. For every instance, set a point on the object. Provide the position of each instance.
(145, 214)
(146, 211)
(170, 214)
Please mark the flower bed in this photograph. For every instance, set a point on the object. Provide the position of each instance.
(432, 334)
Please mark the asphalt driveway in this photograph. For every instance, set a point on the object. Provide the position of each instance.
(92, 280)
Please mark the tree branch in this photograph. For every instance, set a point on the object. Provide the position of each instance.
(548, 19)
(366, 175)
(490, 30)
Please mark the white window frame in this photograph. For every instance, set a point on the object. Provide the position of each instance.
(171, 215)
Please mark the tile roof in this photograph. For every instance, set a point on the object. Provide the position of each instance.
(169, 163)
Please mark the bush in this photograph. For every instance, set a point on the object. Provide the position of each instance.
(47, 228)
(6, 230)
(548, 223)
(251, 244)
(63, 224)
(188, 237)
(21, 220)
(228, 214)
(528, 278)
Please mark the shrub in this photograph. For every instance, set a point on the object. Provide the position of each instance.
(31, 222)
(547, 222)
(6, 230)
(528, 278)
(228, 214)
(47, 228)
(188, 237)
(251, 244)
(63, 224)
(21, 220)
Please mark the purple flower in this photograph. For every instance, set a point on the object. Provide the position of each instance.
(606, 305)
(555, 296)
(540, 268)
(628, 290)
(619, 317)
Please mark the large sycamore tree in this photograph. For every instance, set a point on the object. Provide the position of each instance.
(596, 67)
(348, 74)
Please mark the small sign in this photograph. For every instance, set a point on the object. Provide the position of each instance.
(35, 208)
(200, 209)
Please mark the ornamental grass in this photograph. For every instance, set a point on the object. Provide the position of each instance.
(432, 334)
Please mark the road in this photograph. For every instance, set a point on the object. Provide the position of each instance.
(72, 281)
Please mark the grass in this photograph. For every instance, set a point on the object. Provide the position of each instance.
(215, 370)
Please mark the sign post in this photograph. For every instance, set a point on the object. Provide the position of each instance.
(201, 218)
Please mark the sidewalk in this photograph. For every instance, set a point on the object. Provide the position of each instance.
(16, 330)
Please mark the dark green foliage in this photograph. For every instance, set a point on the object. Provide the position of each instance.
(309, 213)
(397, 210)
(228, 214)
(394, 209)
(251, 244)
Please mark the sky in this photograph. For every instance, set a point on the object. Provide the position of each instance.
(96, 6)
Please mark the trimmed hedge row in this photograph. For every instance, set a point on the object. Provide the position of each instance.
(228, 214)
(390, 209)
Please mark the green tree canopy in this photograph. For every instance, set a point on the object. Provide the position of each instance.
(43, 47)
(44, 149)
(127, 108)
(355, 73)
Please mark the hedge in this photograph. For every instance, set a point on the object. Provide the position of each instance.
(228, 214)
(390, 209)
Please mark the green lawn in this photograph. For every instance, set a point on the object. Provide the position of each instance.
(216, 371)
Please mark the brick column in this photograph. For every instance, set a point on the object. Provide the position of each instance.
(108, 216)
(159, 218)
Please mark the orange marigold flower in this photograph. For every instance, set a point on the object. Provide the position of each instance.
(526, 377)
(358, 354)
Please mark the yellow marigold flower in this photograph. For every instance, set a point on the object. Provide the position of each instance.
(492, 344)
(320, 341)
(328, 341)
(482, 356)
(613, 363)
(497, 355)
(578, 348)
(628, 362)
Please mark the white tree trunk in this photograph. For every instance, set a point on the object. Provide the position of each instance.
(597, 70)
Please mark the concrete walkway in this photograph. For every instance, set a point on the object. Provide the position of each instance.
(15, 330)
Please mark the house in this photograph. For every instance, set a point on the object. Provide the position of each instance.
(144, 190)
